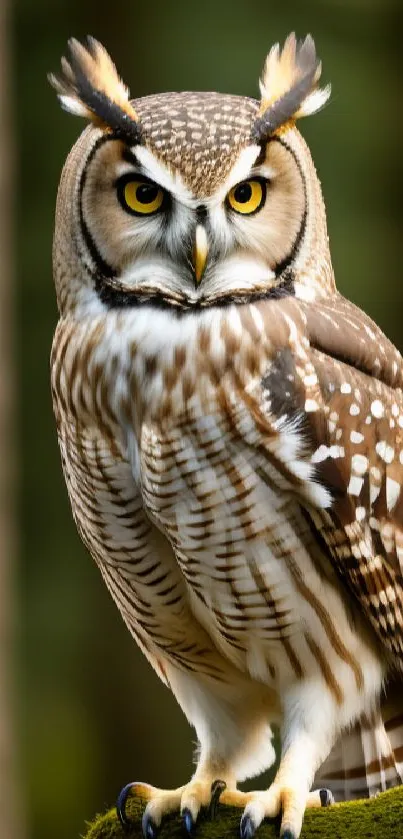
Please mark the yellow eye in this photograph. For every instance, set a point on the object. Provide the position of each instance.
(247, 197)
(142, 198)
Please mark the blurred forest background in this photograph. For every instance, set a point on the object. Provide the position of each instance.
(89, 715)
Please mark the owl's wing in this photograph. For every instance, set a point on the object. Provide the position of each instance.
(109, 518)
(136, 561)
(339, 383)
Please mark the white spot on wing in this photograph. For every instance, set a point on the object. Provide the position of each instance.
(355, 485)
(392, 493)
(323, 452)
(359, 464)
(385, 451)
(377, 409)
(356, 437)
(374, 491)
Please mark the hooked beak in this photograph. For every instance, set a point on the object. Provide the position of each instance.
(200, 252)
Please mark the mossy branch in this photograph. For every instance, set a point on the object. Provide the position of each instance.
(377, 818)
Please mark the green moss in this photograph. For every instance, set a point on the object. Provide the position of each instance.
(378, 818)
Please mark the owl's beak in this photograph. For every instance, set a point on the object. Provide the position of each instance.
(200, 251)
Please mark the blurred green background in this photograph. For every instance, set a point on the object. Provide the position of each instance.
(92, 714)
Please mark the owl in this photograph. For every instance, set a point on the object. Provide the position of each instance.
(231, 434)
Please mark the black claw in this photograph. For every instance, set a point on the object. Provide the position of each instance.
(288, 834)
(124, 794)
(247, 827)
(188, 822)
(326, 797)
(217, 788)
(149, 827)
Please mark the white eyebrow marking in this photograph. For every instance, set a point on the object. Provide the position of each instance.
(239, 172)
(170, 180)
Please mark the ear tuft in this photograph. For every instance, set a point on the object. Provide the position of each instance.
(289, 85)
(89, 86)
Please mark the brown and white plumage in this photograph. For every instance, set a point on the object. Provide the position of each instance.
(231, 434)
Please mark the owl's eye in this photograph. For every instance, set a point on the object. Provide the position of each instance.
(247, 197)
(140, 197)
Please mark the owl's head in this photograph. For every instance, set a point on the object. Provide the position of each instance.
(189, 199)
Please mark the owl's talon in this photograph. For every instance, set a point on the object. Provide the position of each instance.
(217, 788)
(288, 834)
(247, 827)
(124, 794)
(326, 797)
(188, 821)
(149, 827)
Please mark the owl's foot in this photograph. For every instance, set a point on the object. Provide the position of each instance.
(278, 799)
(187, 799)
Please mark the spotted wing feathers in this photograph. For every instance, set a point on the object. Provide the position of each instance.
(355, 417)
(339, 383)
(89, 86)
(289, 85)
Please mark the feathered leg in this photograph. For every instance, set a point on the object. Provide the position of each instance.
(368, 758)
(234, 743)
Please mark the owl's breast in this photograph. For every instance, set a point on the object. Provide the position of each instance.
(231, 531)
(245, 550)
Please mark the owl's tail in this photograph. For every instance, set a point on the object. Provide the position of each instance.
(368, 758)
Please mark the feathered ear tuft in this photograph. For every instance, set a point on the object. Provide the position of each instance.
(89, 86)
(289, 86)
